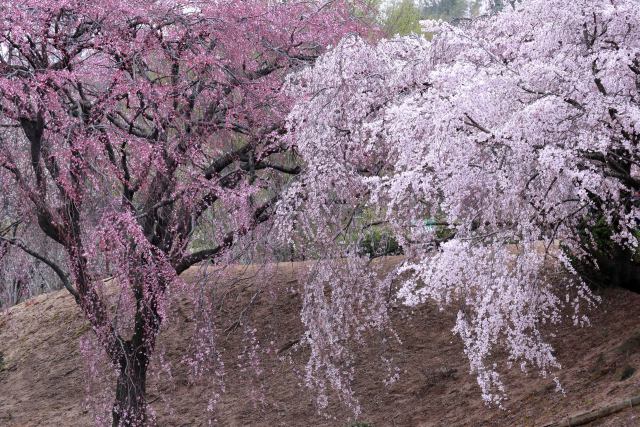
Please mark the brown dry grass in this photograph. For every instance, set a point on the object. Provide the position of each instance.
(42, 378)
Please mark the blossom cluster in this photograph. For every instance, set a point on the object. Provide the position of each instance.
(513, 133)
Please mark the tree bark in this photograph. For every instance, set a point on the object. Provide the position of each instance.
(130, 406)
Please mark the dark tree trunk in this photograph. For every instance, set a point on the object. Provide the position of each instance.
(130, 406)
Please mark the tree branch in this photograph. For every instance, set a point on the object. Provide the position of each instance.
(64, 278)
(259, 217)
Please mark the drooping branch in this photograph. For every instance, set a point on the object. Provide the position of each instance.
(64, 277)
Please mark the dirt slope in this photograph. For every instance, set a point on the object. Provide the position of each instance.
(43, 380)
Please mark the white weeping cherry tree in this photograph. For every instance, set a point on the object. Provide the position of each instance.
(513, 135)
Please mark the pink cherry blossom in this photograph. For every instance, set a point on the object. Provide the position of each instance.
(510, 132)
(129, 129)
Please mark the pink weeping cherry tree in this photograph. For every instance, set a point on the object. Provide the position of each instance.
(491, 153)
(125, 124)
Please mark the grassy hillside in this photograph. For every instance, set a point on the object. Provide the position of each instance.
(43, 379)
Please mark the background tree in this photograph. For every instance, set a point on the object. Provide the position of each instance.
(402, 18)
(517, 136)
(451, 10)
(21, 275)
(127, 126)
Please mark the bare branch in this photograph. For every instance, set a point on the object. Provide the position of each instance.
(64, 277)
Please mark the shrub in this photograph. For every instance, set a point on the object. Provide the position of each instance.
(377, 243)
(610, 264)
